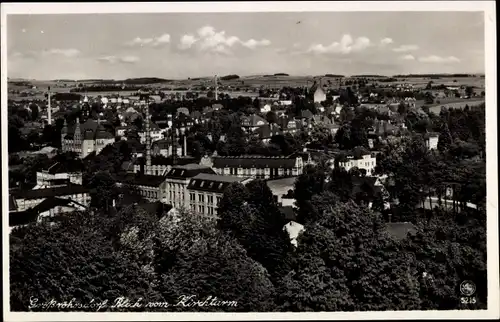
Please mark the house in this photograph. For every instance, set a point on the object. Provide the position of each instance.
(85, 138)
(154, 131)
(165, 147)
(177, 180)
(266, 132)
(262, 167)
(252, 122)
(183, 110)
(293, 230)
(59, 174)
(206, 190)
(319, 93)
(25, 199)
(49, 151)
(160, 165)
(266, 108)
(366, 162)
(431, 140)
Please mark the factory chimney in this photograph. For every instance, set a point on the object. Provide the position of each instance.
(49, 108)
(148, 142)
(216, 94)
(185, 144)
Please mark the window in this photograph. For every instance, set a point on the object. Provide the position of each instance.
(192, 196)
(201, 198)
(210, 199)
(218, 200)
(200, 209)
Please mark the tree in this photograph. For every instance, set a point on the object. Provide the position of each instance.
(338, 257)
(469, 91)
(196, 259)
(445, 139)
(271, 117)
(311, 182)
(70, 260)
(103, 190)
(34, 112)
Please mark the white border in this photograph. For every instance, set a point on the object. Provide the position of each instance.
(488, 7)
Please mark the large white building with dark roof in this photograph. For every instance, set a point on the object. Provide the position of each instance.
(261, 167)
(177, 180)
(206, 190)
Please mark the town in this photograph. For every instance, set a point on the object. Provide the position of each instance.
(268, 162)
(250, 161)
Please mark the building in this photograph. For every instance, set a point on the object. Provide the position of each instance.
(177, 180)
(252, 122)
(262, 167)
(59, 174)
(159, 165)
(319, 93)
(83, 139)
(26, 199)
(150, 187)
(367, 162)
(206, 190)
(431, 140)
(48, 208)
(154, 131)
(293, 229)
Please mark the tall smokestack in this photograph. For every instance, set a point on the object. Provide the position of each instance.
(50, 109)
(185, 145)
(148, 142)
(216, 94)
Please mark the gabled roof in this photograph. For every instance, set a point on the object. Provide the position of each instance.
(253, 120)
(140, 179)
(268, 130)
(212, 182)
(260, 162)
(69, 167)
(68, 190)
(188, 171)
(52, 202)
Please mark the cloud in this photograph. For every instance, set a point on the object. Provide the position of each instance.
(129, 59)
(386, 41)
(115, 59)
(407, 57)
(252, 43)
(151, 42)
(108, 59)
(209, 40)
(346, 45)
(61, 52)
(187, 41)
(438, 60)
(405, 48)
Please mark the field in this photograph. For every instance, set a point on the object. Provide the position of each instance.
(245, 82)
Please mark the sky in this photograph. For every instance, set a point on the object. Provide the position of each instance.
(182, 45)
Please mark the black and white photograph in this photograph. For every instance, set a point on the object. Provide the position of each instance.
(279, 158)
